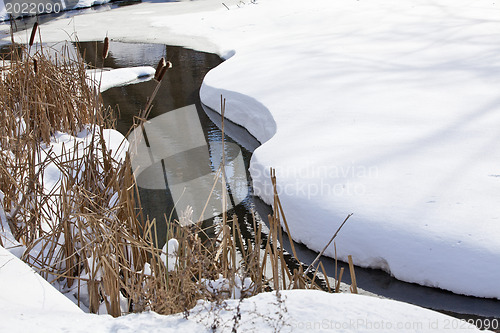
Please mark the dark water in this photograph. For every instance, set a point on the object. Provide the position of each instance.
(180, 90)
(183, 142)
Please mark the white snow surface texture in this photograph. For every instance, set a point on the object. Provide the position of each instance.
(386, 109)
(29, 303)
(119, 77)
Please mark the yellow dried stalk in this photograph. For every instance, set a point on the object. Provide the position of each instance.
(354, 287)
(78, 227)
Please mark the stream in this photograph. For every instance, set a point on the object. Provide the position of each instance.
(183, 142)
(192, 131)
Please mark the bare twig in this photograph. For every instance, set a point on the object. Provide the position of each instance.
(311, 266)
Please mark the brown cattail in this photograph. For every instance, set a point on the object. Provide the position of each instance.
(162, 63)
(106, 48)
(35, 65)
(33, 33)
(164, 70)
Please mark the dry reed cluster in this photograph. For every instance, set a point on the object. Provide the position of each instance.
(85, 232)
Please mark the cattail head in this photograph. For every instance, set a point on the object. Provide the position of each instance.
(33, 33)
(35, 66)
(162, 63)
(106, 48)
(164, 70)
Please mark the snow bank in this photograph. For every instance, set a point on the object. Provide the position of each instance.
(79, 145)
(57, 163)
(294, 311)
(107, 79)
(24, 291)
(386, 109)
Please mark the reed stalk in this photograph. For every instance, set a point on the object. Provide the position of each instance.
(86, 233)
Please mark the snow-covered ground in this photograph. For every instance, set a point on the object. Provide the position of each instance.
(107, 79)
(385, 108)
(29, 303)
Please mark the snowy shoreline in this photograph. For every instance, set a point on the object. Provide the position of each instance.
(434, 229)
(433, 202)
(42, 308)
(445, 196)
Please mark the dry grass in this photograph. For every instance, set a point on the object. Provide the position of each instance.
(85, 233)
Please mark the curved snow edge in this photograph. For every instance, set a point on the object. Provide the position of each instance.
(259, 121)
(242, 110)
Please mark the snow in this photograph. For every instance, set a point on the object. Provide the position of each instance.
(66, 147)
(391, 113)
(107, 79)
(292, 311)
(386, 109)
(169, 254)
(25, 291)
(89, 3)
(28, 302)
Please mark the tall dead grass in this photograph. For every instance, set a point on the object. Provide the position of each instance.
(85, 231)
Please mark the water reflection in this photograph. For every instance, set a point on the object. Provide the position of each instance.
(191, 153)
(179, 88)
(177, 153)
(170, 153)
